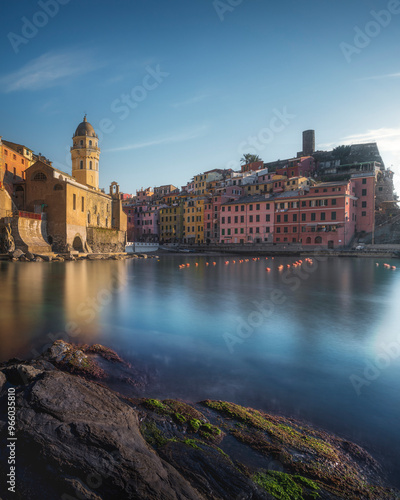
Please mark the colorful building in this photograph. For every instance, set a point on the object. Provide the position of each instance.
(193, 220)
(323, 216)
(249, 219)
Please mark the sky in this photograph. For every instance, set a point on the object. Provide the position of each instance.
(175, 88)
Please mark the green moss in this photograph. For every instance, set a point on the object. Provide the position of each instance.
(180, 418)
(153, 435)
(209, 431)
(195, 424)
(192, 443)
(286, 487)
(157, 406)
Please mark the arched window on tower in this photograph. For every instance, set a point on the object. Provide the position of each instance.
(81, 142)
(98, 219)
(88, 217)
(90, 164)
(81, 165)
(90, 143)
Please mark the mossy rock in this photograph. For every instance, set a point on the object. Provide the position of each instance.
(287, 487)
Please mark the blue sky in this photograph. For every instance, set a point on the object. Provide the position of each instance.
(178, 87)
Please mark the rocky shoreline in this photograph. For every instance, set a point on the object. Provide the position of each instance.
(20, 256)
(77, 438)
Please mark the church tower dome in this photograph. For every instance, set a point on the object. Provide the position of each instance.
(85, 154)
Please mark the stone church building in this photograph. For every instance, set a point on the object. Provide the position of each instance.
(79, 215)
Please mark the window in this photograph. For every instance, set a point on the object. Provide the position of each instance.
(242, 218)
(278, 218)
(257, 218)
(333, 215)
(267, 206)
(250, 207)
(257, 229)
(285, 229)
(58, 187)
(294, 229)
(294, 217)
(242, 208)
(236, 219)
(363, 214)
(83, 204)
(229, 232)
(364, 204)
(74, 202)
(364, 181)
(241, 230)
(236, 231)
(223, 220)
(90, 165)
(251, 230)
(278, 229)
(303, 203)
(229, 220)
(364, 192)
(285, 218)
(322, 215)
(303, 217)
(39, 176)
(267, 218)
(223, 232)
(81, 164)
(250, 218)
(267, 229)
(313, 216)
(333, 201)
(90, 143)
(258, 206)
(236, 208)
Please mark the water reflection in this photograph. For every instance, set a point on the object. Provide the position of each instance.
(296, 359)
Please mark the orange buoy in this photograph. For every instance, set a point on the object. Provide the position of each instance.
(268, 269)
(393, 267)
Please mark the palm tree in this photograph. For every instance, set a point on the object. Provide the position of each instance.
(249, 158)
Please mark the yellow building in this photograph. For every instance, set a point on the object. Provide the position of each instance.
(200, 184)
(193, 220)
(79, 215)
(171, 223)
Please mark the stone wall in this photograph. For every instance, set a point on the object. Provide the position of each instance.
(29, 235)
(103, 240)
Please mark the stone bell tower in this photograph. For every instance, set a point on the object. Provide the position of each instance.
(85, 154)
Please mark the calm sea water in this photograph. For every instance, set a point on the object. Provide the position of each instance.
(322, 345)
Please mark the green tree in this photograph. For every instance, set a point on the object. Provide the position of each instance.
(249, 158)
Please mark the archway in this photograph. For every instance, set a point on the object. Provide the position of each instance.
(308, 240)
(318, 239)
(77, 244)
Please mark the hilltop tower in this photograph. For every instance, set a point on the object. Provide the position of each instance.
(308, 142)
(85, 154)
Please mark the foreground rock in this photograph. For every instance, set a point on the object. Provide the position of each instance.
(80, 440)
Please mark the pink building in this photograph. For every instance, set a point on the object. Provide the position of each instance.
(143, 222)
(298, 167)
(212, 211)
(363, 187)
(324, 216)
(249, 219)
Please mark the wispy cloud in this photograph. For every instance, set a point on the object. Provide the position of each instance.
(49, 70)
(183, 137)
(381, 77)
(187, 102)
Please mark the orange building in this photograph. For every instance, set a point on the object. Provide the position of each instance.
(14, 160)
